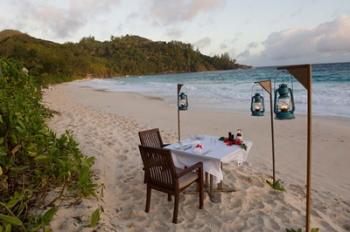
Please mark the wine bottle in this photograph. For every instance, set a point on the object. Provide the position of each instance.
(239, 134)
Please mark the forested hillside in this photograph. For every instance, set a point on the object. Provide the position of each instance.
(127, 55)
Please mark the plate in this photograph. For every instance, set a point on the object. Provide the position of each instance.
(184, 147)
(198, 137)
(201, 152)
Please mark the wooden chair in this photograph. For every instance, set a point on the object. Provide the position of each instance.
(162, 175)
(151, 138)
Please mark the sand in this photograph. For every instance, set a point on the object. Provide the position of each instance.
(106, 124)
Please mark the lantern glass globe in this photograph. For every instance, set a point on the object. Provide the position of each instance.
(283, 104)
(257, 106)
(182, 102)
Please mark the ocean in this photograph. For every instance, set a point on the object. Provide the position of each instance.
(232, 90)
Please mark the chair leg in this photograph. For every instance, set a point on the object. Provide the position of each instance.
(206, 180)
(176, 207)
(169, 197)
(201, 192)
(148, 200)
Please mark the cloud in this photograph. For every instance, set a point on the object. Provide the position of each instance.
(171, 11)
(202, 43)
(296, 12)
(229, 44)
(328, 42)
(253, 45)
(57, 18)
(245, 55)
(223, 46)
(237, 37)
(174, 33)
(132, 16)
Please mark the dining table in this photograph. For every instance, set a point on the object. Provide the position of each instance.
(213, 152)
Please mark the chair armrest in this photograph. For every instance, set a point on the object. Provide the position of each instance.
(198, 165)
(166, 144)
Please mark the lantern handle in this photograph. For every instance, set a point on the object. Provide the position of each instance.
(179, 86)
(275, 102)
(292, 98)
(277, 77)
(263, 104)
(251, 104)
(252, 91)
(283, 79)
(260, 89)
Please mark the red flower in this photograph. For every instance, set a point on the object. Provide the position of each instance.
(199, 146)
(234, 142)
(228, 142)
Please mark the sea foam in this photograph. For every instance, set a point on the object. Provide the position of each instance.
(232, 90)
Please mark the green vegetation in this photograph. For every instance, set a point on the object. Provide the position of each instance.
(300, 230)
(127, 55)
(277, 185)
(95, 218)
(33, 160)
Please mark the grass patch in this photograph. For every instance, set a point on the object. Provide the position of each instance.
(300, 230)
(277, 185)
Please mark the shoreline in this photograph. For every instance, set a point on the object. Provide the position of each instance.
(214, 109)
(106, 125)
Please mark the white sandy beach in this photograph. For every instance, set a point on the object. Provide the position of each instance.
(106, 126)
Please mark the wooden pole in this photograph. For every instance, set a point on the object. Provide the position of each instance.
(303, 73)
(273, 141)
(309, 150)
(178, 125)
(178, 112)
(267, 86)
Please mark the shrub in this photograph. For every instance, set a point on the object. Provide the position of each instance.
(33, 159)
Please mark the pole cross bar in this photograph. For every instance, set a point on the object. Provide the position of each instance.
(265, 84)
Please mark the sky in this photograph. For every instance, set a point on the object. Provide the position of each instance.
(254, 32)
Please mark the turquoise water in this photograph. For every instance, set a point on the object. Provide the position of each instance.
(231, 90)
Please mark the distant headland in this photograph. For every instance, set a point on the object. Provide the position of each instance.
(127, 55)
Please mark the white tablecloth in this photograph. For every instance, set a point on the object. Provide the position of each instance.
(213, 153)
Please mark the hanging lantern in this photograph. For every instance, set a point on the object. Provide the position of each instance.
(257, 106)
(183, 101)
(284, 102)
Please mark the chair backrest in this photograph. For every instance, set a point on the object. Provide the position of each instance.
(159, 167)
(151, 138)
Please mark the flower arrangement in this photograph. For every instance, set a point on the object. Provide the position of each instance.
(232, 141)
(199, 146)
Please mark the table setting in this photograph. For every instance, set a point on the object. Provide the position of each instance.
(212, 151)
